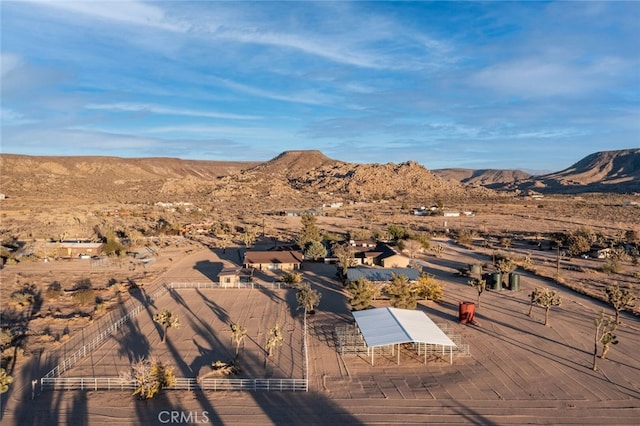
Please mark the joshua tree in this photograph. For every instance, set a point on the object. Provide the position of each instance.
(605, 329)
(437, 250)
(480, 285)
(533, 296)
(238, 333)
(166, 319)
(307, 298)
(506, 242)
(547, 298)
(344, 253)
(151, 376)
(275, 339)
(5, 381)
(506, 266)
(620, 299)
(362, 293)
(403, 295)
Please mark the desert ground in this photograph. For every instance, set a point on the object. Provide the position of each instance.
(519, 370)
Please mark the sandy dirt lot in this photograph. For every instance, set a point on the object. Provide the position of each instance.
(519, 371)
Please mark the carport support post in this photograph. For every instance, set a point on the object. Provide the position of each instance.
(450, 355)
(372, 351)
(398, 353)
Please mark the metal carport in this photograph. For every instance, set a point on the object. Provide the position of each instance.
(393, 326)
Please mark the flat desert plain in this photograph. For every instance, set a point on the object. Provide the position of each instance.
(519, 371)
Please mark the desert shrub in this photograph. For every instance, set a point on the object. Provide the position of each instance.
(464, 238)
(610, 266)
(292, 278)
(21, 299)
(83, 284)
(84, 297)
(54, 290)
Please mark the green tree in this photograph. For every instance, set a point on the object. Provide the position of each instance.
(619, 299)
(402, 294)
(5, 381)
(362, 293)
(480, 285)
(310, 231)
(238, 333)
(580, 241)
(604, 335)
(547, 298)
(307, 298)
(167, 320)
(315, 250)
(398, 232)
(112, 246)
(427, 287)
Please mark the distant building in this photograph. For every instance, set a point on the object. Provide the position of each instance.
(288, 260)
(74, 249)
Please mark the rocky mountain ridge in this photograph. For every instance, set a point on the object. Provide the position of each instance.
(293, 174)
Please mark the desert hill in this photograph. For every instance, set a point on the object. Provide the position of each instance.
(107, 178)
(489, 178)
(292, 176)
(295, 163)
(605, 171)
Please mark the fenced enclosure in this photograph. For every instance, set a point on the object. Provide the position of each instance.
(129, 320)
(349, 341)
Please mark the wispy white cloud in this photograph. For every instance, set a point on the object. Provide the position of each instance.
(159, 109)
(9, 117)
(308, 96)
(9, 62)
(127, 12)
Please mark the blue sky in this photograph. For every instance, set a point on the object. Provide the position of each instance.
(528, 85)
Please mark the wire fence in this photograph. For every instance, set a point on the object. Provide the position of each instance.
(100, 334)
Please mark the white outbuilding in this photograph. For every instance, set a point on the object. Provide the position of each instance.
(388, 327)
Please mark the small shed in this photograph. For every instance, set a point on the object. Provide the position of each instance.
(392, 326)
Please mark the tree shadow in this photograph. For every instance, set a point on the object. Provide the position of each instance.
(209, 269)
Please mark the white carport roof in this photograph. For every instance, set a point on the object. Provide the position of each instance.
(390, 326)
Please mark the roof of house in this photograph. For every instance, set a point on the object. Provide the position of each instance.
(381, 274)
(67, 244)
(261, 257)
(390, 326)
(235, 270)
